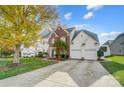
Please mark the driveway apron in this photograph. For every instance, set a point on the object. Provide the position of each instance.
(70, 73)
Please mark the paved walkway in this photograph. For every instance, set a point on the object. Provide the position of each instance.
(71, 73)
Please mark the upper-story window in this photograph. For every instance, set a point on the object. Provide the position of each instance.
(53, 40)
(96, 43)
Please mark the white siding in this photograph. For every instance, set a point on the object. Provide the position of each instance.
(89, 44)
(108, 52)
(43, 45)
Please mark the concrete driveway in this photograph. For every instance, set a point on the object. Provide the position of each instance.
(70, 73)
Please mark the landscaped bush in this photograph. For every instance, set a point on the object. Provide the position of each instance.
(6, 53)
(63, 56)
(45, 53)
(100, 54)
(40, 54)
(56, 55)
(67, 56)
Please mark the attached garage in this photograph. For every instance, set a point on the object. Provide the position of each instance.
(75, 54)
(90, 54)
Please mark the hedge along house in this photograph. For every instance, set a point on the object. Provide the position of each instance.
(83, 44)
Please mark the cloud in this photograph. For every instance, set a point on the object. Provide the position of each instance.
(81, 26)
(88, 15)
(103, 37)
(94, 7)
(91, 13)
(68, 16)
(110, 34)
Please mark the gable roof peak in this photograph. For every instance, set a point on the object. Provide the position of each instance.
(109, 42)
(70, 29)
(91, 34)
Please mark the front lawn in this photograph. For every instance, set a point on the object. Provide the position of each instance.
(115, 65)
(27, 64)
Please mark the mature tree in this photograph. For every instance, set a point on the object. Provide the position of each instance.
(61, 47)
(21, 25)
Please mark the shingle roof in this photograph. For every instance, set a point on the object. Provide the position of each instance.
(109, 42)
(45, 35)
(70, 29)
(122, 34)
(92, 35)
(75, 34)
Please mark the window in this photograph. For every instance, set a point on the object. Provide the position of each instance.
(103, 49)
(96, 43)
(53, 40)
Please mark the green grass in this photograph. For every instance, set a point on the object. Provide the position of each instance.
(27, 64)
(115, 67)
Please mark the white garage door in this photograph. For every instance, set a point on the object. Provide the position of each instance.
(76, 54)
(90, 54)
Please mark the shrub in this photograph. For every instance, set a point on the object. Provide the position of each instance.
(40, 54)
(67, 56)
(100, 54)
(56, 55)
(63, 55)
(6, 53)
(45, 53)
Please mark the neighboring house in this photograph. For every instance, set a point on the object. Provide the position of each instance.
(40, 46)
(106, 47)
(115, 47)
(82, 43)
(28, 52)
(43, 45)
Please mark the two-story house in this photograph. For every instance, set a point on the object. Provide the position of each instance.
(83, 44)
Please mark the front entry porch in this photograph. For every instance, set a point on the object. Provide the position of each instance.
(52, 52)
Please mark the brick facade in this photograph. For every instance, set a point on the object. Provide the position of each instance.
(58, 34)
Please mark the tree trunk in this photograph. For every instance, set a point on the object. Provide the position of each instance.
(16, 55)
(58, 54)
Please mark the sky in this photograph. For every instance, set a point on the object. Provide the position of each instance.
(106, 21)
